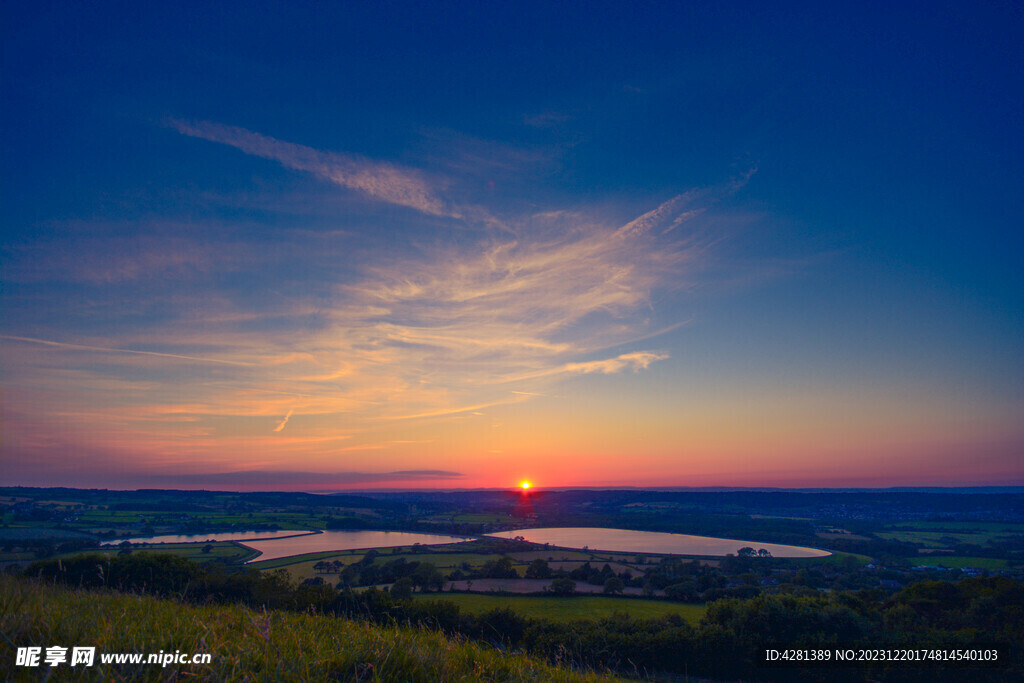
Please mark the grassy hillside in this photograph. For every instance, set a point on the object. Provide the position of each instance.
(244, 644)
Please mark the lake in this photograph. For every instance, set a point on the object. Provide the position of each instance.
(626, 541)
(343, 540)
(213, 536)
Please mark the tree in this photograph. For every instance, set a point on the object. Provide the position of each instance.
(538, 569)
(686, 591)
(426, 576)
(563, 587)
(349, 576)
(402, 589)
(613, 585)
(499, 569)
(207, 549)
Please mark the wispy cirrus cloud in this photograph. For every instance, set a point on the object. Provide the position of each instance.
(425, 334)
(635, 361)
(298, 350)
(379, 180)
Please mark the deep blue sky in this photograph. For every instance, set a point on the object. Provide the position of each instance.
(855, 262)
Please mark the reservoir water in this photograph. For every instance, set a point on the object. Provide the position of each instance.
(343, 540)
(623, 540)
(214, 536)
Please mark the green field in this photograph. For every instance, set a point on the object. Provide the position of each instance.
(569, 608)
(438, 559)
(479, 518)
(988, 527)
(127, 522)
(941, 539)
(301, 566)
(224, 550)
(959, 562)
(944, 534)
(837, 557)
(244, 645)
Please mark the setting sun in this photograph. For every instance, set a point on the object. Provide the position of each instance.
(525, 485)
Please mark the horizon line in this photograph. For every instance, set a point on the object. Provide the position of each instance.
(1008, 488)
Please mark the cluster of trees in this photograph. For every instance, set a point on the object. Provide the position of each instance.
(500, 568)
(45, 547)
(685, 581)
(334, 523)
(728, 643)
(399, 571)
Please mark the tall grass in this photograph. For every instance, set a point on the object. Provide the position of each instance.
(245, 645)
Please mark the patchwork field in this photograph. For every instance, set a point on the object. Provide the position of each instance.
(938, 538)
(946, 534)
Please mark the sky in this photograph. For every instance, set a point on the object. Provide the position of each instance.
(325, 246)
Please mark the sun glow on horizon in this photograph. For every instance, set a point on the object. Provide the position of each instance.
(525, 485)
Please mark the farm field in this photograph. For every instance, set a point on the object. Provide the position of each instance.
(943, 534)
(228, 551)
(301, 567)
(479, 518)
(16, 533)
(439, 559)
(959, 562)
(938, 538)
(569, 608)
(978, 527)
(531, 587)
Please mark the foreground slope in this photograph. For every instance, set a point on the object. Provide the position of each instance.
(244, 645)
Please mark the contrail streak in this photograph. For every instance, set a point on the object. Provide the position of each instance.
(284, 421)
(105, 349)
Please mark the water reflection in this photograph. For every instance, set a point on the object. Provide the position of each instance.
(214, 536)
(344, 540)
(623, 540)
